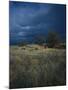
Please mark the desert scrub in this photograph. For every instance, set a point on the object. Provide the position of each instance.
(37, 68)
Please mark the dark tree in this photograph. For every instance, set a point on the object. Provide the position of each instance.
(52, 39)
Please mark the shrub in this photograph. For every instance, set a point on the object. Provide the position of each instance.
(52, 39)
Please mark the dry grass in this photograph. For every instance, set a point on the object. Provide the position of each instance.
(34, 66)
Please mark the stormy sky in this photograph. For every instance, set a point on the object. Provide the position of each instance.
(27, 20)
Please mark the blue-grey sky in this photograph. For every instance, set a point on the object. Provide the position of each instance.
(30, 19)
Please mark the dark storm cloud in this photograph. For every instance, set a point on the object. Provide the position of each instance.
(29, 19)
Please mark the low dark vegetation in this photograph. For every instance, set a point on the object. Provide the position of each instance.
(36, 48)
(22, 43)
(63, 45)
(23, 48)
(52, 40)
